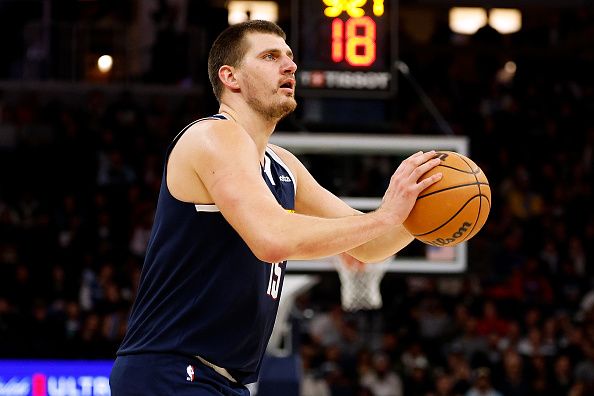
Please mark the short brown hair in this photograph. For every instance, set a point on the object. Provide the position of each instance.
(229, 48)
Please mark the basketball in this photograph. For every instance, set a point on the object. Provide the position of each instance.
(455, 208)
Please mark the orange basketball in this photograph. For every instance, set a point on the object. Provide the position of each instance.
(455, 208)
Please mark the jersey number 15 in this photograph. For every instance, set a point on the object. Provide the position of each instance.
(274, 282)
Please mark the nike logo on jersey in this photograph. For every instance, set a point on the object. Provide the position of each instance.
(284, 178)
(190, 372)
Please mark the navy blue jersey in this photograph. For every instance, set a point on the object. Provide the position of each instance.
(202, 291)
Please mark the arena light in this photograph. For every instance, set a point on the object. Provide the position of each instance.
(105, 63)
(505, 20)
(467, 20)
(506, 74)
(241, 11)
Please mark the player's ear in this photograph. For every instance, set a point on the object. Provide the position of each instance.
(227, 75)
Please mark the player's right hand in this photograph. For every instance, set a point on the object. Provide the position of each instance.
(405, 187)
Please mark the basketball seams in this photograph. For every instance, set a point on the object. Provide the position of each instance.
(453, 216)
(487, 199)
(478, 213)
(450, 188)
(472, 172)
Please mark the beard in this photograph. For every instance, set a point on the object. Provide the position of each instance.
(274, 110)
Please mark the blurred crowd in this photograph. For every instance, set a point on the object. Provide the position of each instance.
(80, 177)
(521, 321)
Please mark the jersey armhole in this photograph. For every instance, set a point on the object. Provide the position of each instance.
(199, 207)
(276, 158)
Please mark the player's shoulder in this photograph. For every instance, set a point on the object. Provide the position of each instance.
(212, 127)
(218, 134)
(214, 143)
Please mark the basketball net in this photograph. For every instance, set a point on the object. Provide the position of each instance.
(359, 283)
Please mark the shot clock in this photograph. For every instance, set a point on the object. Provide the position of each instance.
(345, 48)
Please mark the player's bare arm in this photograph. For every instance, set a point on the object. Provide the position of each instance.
(313, 199)
(225, 160)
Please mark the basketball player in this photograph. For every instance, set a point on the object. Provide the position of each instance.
(232, 209)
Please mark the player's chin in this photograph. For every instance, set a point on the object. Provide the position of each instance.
(288, 101)
(287, 108)
(291, 105)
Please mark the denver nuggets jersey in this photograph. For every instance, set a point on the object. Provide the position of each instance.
(202, 291)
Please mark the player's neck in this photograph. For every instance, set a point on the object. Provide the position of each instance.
(255, 125)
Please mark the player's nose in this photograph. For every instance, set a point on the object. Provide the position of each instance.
(289, 65)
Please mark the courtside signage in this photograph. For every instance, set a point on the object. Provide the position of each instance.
(54, 377)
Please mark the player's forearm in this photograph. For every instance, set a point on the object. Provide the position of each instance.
(302, 237)
(384, 246)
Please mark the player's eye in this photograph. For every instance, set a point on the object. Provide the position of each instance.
(269, 56)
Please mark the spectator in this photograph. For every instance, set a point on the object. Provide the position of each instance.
(416, 381)
(491, 322)
(482, 384)
(561, 383)
(444, 385)
(382, 381)
(513, 382)
(532, 344)
(326, 328)
(470, 342)
(459, 370)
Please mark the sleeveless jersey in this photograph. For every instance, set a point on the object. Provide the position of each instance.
(202, 291)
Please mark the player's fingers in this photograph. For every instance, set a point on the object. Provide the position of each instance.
(425, 167)
(416, 154)
(406, 163)
(406, 166)
(409, 165)
(414, 161)
(423, 184)
(429, 155)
